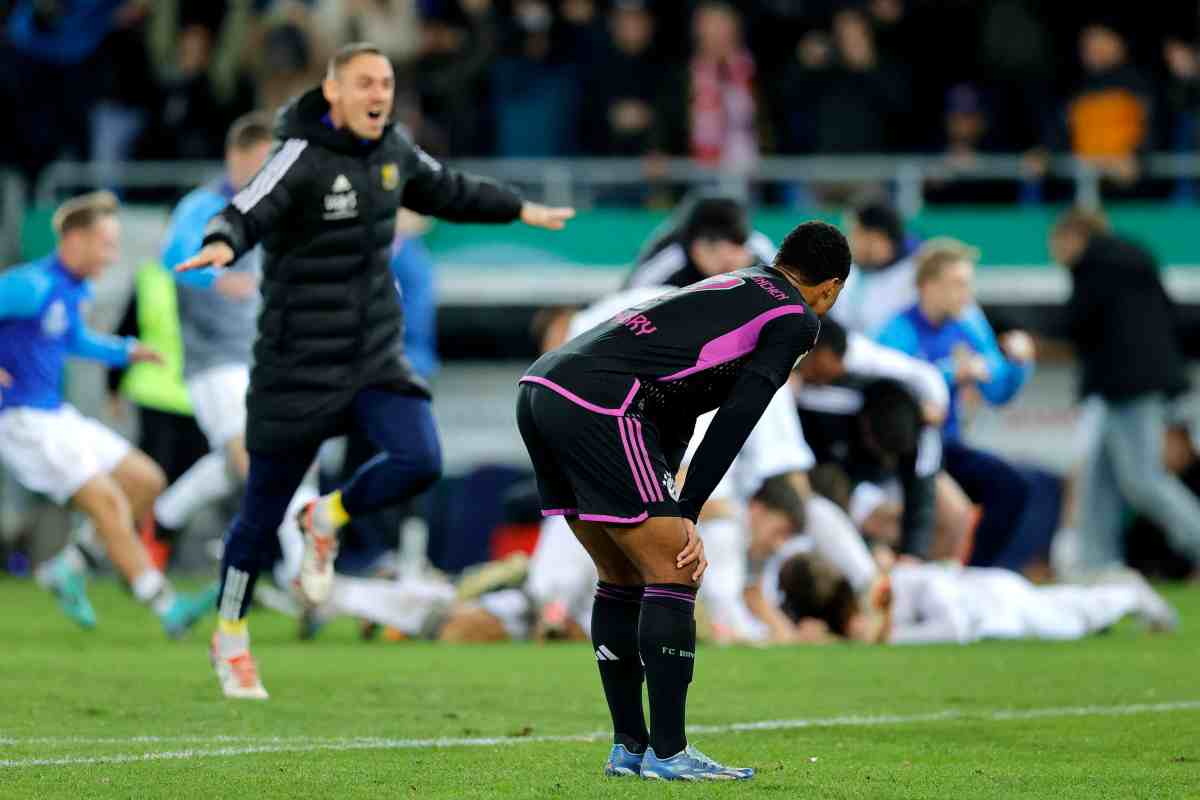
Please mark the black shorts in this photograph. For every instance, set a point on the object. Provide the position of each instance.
(600, 465)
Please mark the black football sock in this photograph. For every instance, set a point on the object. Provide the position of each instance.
(667, 641)
(615, 640)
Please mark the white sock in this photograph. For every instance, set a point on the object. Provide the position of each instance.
(835, 538)
(323, 514)
(69, 555)
(153, 589)
(88, 544)
(205, 482)
(231, 645)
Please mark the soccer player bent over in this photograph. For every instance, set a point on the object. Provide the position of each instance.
(606, 419)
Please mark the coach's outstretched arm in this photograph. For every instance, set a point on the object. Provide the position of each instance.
(438, 191)
(255, 209)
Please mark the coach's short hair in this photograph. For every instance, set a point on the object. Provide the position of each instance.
(938, 253)
(82, 211)
(813, 253)
(1085, 221)
(347, 53)
(248, 131)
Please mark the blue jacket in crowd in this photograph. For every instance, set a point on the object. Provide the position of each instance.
(911, 332)
(412, 267)
(41, 323)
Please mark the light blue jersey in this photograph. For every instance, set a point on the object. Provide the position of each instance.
(216, 330)
(41, 323)
(911, 332)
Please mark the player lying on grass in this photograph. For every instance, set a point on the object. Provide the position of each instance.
(48, 446)
(949, 603)
(606, 419)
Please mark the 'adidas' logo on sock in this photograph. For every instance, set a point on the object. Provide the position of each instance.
(604, 654)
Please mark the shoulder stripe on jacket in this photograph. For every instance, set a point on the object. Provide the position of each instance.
(270, 175)
(655, 270)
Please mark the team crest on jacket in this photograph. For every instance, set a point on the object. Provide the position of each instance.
(390, 176)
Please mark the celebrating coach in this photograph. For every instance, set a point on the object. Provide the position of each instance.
(328, 354)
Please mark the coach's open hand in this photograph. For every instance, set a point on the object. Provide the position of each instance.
(217, 254)
(692, 551)
(540, 216)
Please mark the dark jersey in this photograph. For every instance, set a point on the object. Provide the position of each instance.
(666, 261)
(728, 342)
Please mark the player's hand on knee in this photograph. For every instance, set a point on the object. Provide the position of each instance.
(693, 551)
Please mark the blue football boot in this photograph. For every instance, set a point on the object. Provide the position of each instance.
(622, 763)
(690, 765)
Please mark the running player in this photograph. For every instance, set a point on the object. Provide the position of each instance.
(47, 445)
(606, 419)
(217, 315)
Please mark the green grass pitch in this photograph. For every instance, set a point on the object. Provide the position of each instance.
(121, 712)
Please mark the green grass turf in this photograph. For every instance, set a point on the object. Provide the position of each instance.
(65, 693)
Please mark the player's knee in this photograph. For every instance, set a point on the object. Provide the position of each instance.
(108, 504)
(154, 480)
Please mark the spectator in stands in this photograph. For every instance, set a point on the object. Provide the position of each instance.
(881, 282)
(800, 81)
(863, 96)
(946, 328)
(198, 56)
(1183, 102)
(535, 93)
(967, 135)
(716, 102)
(1109, 118)
(623, 87)
(394, 25)
(51, 73)
(1120, 321)
(458, 45)
(286, 58)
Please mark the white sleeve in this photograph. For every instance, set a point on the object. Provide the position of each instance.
(867, 358)
(940, 613)
(776, 445)
(762, 247)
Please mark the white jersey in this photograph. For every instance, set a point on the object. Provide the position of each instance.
(869, 300)
(938, 603)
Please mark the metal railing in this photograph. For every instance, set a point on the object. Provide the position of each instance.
(583, 181)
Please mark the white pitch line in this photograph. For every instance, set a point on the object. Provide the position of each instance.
(278, 745)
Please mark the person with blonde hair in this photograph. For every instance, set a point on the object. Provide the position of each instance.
(946, 328)
(51, 448)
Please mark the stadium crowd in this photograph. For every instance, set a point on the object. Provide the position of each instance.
(719, 82)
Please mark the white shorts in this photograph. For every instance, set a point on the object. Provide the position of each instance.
(56, 452)
(219, 402)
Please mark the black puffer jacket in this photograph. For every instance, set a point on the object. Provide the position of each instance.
(324, 209)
